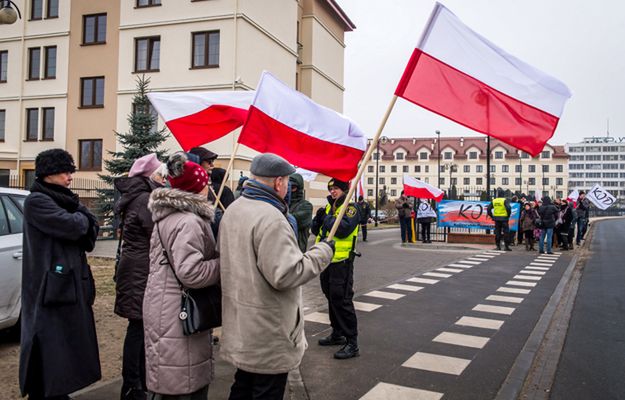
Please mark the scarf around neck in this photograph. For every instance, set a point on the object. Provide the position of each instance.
(62, 196)
(255, 190)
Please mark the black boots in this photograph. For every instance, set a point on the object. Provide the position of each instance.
(507, 248)
(350, 350)
(332, 340)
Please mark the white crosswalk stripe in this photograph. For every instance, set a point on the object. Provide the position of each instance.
(476, 259)
(504, 289)
(366, 307)
(469, 262)
(320, 318)
(437, 275)
(467, 266)
(494, 309)
(452, 270)
(458, 339)
(480, 322)
(485, 255)
(505, 299)
(527, 277)
(423, 280)
(384, 295)
(532, 272)
(537, 268)
(437, 363)
(407, 288)
(519, 283)
(386, 391)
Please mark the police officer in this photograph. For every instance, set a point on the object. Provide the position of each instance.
(499, 210)
(337, 281)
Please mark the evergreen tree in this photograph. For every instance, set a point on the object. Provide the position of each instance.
(141, 139)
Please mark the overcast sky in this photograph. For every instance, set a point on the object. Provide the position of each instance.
(580, 42)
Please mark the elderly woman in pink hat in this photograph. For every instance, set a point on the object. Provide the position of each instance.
(134, 265)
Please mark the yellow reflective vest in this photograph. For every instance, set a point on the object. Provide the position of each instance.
(499, 207)
(342, 247)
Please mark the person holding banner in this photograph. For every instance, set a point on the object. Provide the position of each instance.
(425, 216)
(337, 281)
(500, 210)
(404, 210)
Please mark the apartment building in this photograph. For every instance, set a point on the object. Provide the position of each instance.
(598, 160)
(100, 47)
(462, 163)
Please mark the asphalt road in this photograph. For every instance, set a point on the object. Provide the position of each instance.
(592, 363)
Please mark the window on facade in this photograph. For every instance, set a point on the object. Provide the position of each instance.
(559, 168)
(34, 62)
(493, 168)
(610, 157)
(369, 192)
(576, 166)
(478, 181)
(147, 54)
(545, 154)
(467, 168)
(48, 123)
(593, 148)
(531, 181)
(559, 181)
(205, 49)
(90, 155)
(479, 169)
(148, 3)
(610, 166)
(382, 168)
(442, 168)
(454, 181)
(595, 166)
(473, 155)
(393, 192)
(423, 155)
(505, 168)
(593, 158)
(531, 168)
(50, 64)
(427, 168)
(545, 168)
(94, 29)
(524, 155)
(417, 168)
(441, 181)
(576, 149)
(92, 92)
(393, 168)
(370, 168)
(517, 181)
(376, 156)
(467, 181)
(610, 148)
(493, 181)
(381, 181)
(4, 65)
(448, 155)
(32, 124)
(3, 115)
(36, 9)
(399, 156)
(405, 169)
(593, 175)
(393, 181)
(517, 168)
(499, 155)
(53, 9)
(369, 181)
(545, 181)
(504, 181)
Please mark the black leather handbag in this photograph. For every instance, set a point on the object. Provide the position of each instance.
(200, 309)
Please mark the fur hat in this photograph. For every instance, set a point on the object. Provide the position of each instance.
(145, 166)
(344, 186)
(186, 175)
(52, 162)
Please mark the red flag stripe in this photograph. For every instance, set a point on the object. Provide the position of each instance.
(265, 134)
(207, 125)
(444, 90)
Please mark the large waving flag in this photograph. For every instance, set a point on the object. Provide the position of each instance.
(457, 73)
(197, 118)
(288, 123)
(421, 190)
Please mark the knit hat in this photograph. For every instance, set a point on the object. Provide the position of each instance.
(145, 166)
(344, 186)
(270, 165)
(186, 175)
(52, 162)
(203, 154)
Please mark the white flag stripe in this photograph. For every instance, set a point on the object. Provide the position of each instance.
(174, 105)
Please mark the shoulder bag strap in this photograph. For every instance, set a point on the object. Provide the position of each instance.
(166, 255)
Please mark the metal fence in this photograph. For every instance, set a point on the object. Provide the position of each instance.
(85, 188)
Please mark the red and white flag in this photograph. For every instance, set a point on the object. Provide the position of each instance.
(457, 73)
(421, 190)
(197, 118)
(572, 197)
(360, 189)
(286, 122)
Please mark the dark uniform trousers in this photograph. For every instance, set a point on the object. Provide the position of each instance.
(253, 386)
(337, 284)
(502, 231)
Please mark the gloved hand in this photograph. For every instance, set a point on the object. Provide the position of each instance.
(330, 243)
(321, 214)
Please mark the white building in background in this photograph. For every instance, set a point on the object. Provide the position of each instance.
(598, 160)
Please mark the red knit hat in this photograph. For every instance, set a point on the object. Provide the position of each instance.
(193, 178)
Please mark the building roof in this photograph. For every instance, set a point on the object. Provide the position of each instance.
(342, 16)
(459, 145)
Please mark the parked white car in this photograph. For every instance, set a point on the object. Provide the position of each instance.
(11, 220)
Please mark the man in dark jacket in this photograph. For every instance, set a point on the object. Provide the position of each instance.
(204, 157)
(548, 215)
(217, 177)
(365, 213)
(581, 213)
(301, 209)
(59, 348)
(337, 281)
(134, 266)
(499, 210)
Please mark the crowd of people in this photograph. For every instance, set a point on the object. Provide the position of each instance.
(175, 237)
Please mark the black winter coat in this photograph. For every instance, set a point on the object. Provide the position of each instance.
(59, 348)
(134, 264)
(548, 214)
(567, 218)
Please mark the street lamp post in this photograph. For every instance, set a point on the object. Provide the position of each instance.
(438, 142)
(383, 140)
(520, 176)
(7, 14)
(488, 167)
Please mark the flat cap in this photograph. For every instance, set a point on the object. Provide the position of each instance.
(271, 165)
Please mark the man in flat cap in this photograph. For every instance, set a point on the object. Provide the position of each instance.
(337, 281)
(262, 269)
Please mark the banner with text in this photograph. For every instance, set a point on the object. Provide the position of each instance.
(600, 197)
(472, 214)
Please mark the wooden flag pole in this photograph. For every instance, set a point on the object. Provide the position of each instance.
(217, 202)
(361, 170)
(230, 163)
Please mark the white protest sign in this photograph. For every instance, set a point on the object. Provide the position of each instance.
(600, 197)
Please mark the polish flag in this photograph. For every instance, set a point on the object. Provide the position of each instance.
(360, 189)
(421, 190)
(457, 73)
(197, 118)
(286, 122)
(572, 197)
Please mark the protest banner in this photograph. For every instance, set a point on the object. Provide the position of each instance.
(472, 214)
(600, 197)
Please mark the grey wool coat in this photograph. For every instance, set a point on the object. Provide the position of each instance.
(177, 364)
(262, 270)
